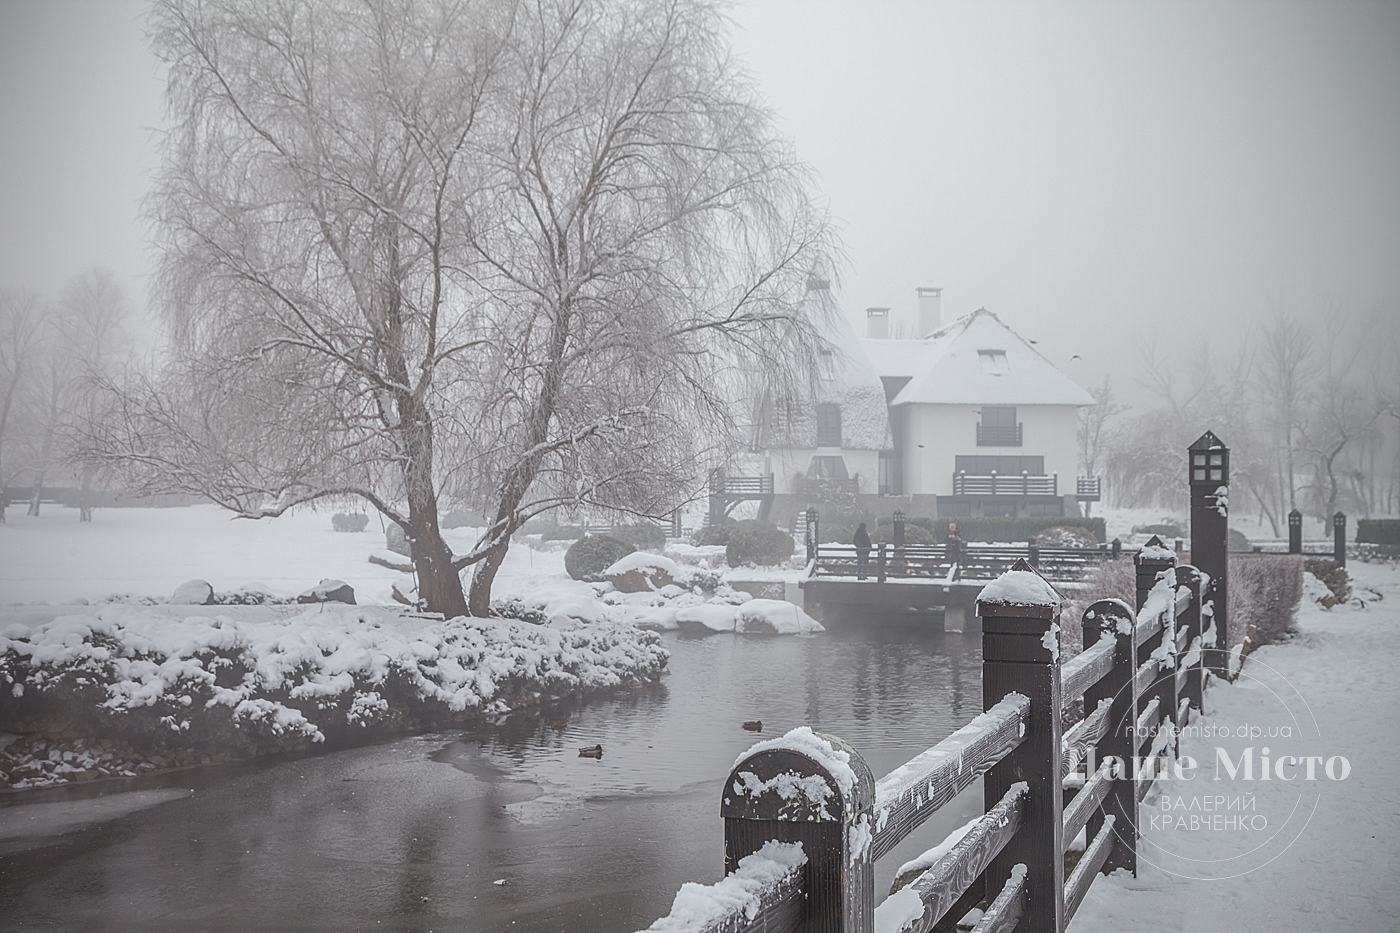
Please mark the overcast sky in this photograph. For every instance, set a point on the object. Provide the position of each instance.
(1089, 171)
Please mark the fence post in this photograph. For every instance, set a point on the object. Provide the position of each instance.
(1208, 463)
(1150, 566)
(1190, 578)
(1295, 532)
(898, 528)
(1339, 539)
(834, 828)
(1112, 618)
(1033, 554)
(1017, 657)
(881, 575)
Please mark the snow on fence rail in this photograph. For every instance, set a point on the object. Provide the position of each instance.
(1141, 673)
(945, 563)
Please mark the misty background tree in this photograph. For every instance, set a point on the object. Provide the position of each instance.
(511, 256)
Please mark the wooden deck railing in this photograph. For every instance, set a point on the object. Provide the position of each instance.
(805, 822)
(972, 562)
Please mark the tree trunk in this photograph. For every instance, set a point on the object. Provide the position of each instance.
(85, 500)
(34, 496)
(479, 599)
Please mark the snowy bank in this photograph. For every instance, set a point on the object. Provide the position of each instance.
(322, 675)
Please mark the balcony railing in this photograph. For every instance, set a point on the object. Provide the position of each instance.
(1088, 489)
(740, 487)
(1005, 436)
(968, 484)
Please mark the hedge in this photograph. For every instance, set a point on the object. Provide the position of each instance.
(1004, 529)
(1378, 531)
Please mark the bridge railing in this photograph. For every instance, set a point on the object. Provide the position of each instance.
(805, 821)
(963, 561)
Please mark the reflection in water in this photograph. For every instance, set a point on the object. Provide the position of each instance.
(412, 835)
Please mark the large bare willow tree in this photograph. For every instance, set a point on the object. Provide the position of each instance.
(514, 255)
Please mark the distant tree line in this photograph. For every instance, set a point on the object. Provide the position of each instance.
(1310, 410)
(54, 353)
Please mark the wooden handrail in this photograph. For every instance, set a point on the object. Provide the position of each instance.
(914, 791)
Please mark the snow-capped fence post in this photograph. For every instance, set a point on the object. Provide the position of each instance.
(1021, 654)
(1158, 562)
(1112, 618)
(1339, 539)
(1190, 619)
(816, 790)
(1208, 465)
(1295, 532)
(880, 576)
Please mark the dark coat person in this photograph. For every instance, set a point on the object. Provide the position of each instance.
(862, 543)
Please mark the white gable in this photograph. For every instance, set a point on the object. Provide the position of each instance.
(976, 360)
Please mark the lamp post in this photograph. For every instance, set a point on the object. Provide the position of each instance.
(898, 528)
(1295, 532)
(1208, 467)
(1339, 539)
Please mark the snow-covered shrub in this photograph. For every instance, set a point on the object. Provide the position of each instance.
(396, 541)
(589, 556)
(513, 607)
(1265, 590)
(1237, 542)
(1331, 573)
(1066, 536)
(357, 521)
(320, 676)
(762, 547)
(641, 537)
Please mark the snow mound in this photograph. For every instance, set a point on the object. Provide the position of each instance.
(717, 617)
(774, 616)
(705, 906)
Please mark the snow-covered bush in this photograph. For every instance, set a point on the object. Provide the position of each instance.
(589, 556)
(1333, 574)
(357, 521)
(913, 534)
(1066, 536)
(320, 676)
(641, 537)
(762, 547)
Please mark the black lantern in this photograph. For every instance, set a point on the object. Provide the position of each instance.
(899, 528)
(1295, 532)
(1210, 461)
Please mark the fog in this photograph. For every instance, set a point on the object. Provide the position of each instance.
(1087, 171)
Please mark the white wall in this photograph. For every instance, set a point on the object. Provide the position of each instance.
(949, 431)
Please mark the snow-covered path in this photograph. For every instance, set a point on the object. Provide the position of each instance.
(1343, 870)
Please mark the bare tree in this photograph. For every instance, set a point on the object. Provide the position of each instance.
(19, 343)
(1096, 432)
(518, 255)
(1286, 369)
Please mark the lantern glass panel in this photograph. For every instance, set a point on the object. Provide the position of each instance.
(1215, 475)
(1217, 459)
(1199, 476)
(1199, 459)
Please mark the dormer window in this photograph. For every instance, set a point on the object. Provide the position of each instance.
(993, 361)
(826, 365)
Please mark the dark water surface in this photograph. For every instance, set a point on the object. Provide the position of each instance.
(414, 835)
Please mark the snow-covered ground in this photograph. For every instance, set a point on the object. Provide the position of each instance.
(1328, 852)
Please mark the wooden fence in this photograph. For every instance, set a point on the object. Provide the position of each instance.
(805, 821)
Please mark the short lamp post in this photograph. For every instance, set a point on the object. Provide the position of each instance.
(1339, 539)
(1295, 532)
(899, 528)
(1208, 466)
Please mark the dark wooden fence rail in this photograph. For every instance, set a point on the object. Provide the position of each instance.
(805, 821)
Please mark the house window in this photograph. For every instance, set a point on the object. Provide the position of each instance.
(994, 362)
(998, 427)
(828, 425)
(826, 365)
(998, 416)
(827, 468)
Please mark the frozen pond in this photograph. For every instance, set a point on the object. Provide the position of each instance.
(414, 835)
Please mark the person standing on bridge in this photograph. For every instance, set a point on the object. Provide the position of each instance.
(955, 542)
(862, 543)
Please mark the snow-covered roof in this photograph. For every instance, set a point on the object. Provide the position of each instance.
(976, 360)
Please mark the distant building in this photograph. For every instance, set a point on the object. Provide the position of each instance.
(958, 421)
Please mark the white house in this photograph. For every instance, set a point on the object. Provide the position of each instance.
(955, 421)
